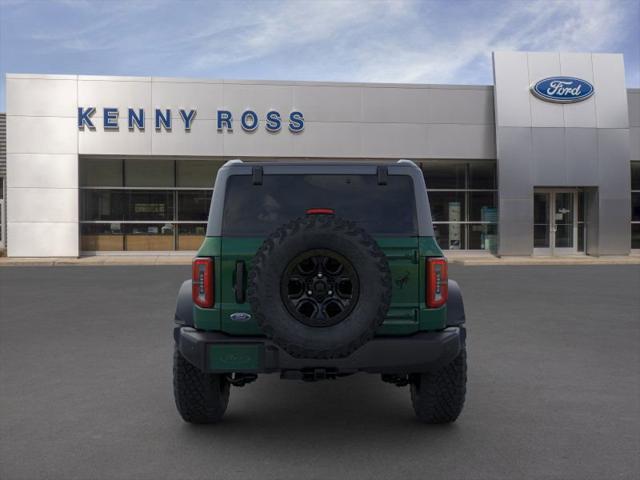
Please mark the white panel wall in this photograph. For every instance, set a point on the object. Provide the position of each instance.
(119, 141)
(582, 114)
(611, 99)
(511, 72)
(42, 166)
(342, 120)
(323, 103)
(114, 92)
(515, 72)
(544, 114)
(174, 94)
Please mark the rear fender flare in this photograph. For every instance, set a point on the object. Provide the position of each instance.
(455, 306)
(184, 305)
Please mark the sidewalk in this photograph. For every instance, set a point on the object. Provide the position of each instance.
(469, 260)
(97, 260)
(459, 258)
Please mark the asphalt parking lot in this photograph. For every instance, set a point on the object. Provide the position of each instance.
(554, 387)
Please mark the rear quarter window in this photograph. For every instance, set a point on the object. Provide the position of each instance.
(257, 210)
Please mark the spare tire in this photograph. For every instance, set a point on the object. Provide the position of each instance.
(319, 287)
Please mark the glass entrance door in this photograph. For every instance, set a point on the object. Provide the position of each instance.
(555, 222)
(564, 223)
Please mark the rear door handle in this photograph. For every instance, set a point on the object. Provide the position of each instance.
(240, 280)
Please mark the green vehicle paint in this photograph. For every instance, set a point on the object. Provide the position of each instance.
(406, 255)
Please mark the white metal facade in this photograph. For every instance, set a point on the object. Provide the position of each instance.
(342, 120)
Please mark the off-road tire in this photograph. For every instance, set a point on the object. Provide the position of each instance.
(438, 397)
(200, 397)
(306, 234)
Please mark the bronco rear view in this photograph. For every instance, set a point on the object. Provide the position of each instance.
(318, 271)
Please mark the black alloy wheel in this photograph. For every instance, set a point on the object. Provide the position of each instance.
(320, 288)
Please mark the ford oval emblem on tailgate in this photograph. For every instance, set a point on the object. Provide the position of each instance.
(240, 317)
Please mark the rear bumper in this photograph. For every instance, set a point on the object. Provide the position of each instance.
(217, 352)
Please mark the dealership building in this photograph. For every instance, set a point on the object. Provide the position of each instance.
(546, 161)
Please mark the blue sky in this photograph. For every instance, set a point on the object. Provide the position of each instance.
(439, 41)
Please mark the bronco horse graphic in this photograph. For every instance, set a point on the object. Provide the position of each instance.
(402, 281)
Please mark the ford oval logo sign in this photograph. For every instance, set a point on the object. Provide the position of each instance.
(562, 89)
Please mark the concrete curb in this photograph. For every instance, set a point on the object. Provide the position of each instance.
(97, 261)
(531, 261)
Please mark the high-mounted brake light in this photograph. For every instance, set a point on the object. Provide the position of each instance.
(437, 282)
(202, 282)
(320, 211)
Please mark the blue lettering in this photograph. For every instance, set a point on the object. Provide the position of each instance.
(136, 120)
(163, 120)
(225, 119)
(110, 117)
(84, 117)
(187, 118)
(249, 120)
(274, 124)
(296, 122)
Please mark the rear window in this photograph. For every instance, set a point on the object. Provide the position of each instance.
(257, 210)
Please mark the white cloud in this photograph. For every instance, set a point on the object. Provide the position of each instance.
(571, 25)
(430, 41)
(405, 41)
(257, 32)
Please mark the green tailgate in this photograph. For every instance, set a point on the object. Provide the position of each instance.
(406, 257)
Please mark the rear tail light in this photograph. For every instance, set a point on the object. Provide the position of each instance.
(437, 282)
(202, 282)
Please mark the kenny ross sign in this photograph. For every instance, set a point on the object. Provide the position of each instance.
(162, 119)
(562, 89)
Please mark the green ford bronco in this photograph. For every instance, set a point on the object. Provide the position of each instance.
(318, 271)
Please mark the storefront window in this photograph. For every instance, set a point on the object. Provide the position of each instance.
(463, 200)
(149, 173)
(101, 237)
(190, 236)
(450, 236)
(194, 205)
(196, 173)
(635, 205)
(582, 223)
(482, 236)
(482, 206)
(635, 235)
(151, 205)
(635, 175)
(482, 175)
(101, 173)
(444, 175)
(447, 206)
(144, 205)
(103, 205)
